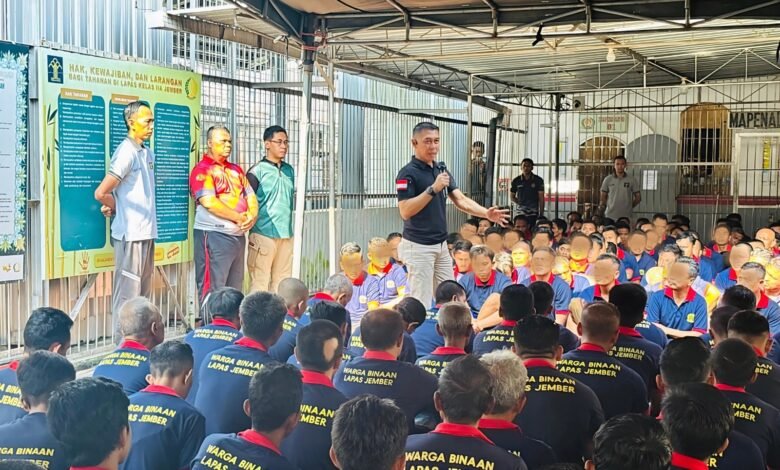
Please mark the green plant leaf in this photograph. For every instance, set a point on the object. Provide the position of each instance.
(52, 115)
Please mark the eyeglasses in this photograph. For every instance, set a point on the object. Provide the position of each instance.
(281, 142)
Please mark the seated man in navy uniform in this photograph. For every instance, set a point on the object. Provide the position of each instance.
(554, 397)
(380, 373)
(509, 381)
(619, 388)
(274, 403)
(334, 313)
(631, 441)
(222, 305)
(39, 375)
(319, 352)
(464, 395)
(542, 262)
(753, 328)
(425, 337)
(698, 420)
(516, 302)
(752, 276)
(637, 260)
(88, 417)
(543, 305)
(295, 295)
(47, 329)
(606, 271)
(631, 348)
(483, 282)
(734, 364)
(413, 313)
(678, 310)
(142, 326)
(454, 325)
(225, 373)
(166, 430)
(369, 433)
(687, 360)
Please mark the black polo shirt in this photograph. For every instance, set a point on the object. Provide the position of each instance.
(560, 411)
(620, 389)
(508, 436)
(436, 361)
(429, 226)
(458, 447)
(527, 192)
(757, 420)
(767, 384)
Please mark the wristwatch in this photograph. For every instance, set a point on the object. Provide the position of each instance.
(430, 191)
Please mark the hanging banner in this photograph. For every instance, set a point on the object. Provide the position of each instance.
(604, 123)
(13, 160)
(82, 101)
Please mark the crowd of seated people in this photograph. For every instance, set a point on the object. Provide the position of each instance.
(577, 343)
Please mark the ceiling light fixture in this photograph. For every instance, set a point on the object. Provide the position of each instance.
(611, 55)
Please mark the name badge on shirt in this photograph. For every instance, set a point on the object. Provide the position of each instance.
(625, 185)
(691, 317)
(363, 299)
(390, 284)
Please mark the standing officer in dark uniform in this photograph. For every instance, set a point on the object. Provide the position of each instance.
(527, 192)
(422, 186)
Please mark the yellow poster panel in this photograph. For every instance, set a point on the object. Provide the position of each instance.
(82, 102)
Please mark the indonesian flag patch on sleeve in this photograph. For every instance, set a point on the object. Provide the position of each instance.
(401, 185)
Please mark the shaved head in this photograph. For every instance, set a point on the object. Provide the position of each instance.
(137, 316)
(600, 321)
(293, 291)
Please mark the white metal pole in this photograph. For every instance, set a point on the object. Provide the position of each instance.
(332, 170)
(303, 157)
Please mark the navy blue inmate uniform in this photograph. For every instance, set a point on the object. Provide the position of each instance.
(225, 376)
(379, 373)
(652, 333)
(206, 339)
(436, 361)
(128, 365)
(641, 355)
(477, 292)
(757, 420)
(767, 384)
(308, 446)
(508, 435)
(356, 348)
(741, 454)
(501, 336)
(425, 337)
(10, 394)
(620, 389)
(285, 345)
(247, 449)
(28, 438)
(560, 411)
(166, 430)
(458, 447)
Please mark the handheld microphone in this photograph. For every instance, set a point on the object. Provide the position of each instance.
(442, 169)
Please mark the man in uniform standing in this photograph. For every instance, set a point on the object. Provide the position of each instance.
(619, 192)
(270, 240)
(422, 186)
(527, 192)
(127, 192)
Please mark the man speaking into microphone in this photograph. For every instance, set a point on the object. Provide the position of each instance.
(422, 186)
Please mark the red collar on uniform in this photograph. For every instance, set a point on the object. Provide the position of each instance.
(759, 352)
(651, 252)
(591, 347)
(384, 270)
(549, 279)
(447, 350)
(358, 281)
(763, 301)
(461, 430)
(626, 331)
(688, 463)
(732, 274)
(689, 296)
(290, 314)
(223, 322)
(489, 423)
(323, 296)
(316, 378)
(729, 388)
(456, 271)
(379, 355)
(160, 389)
(13, 365)
(250, 343)
(130, 344)
(579, 266)
(256, 438)
(511, 323)
(530, 363)
(491, 280)
(597, 289)
(621, 254)
(707, 253)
